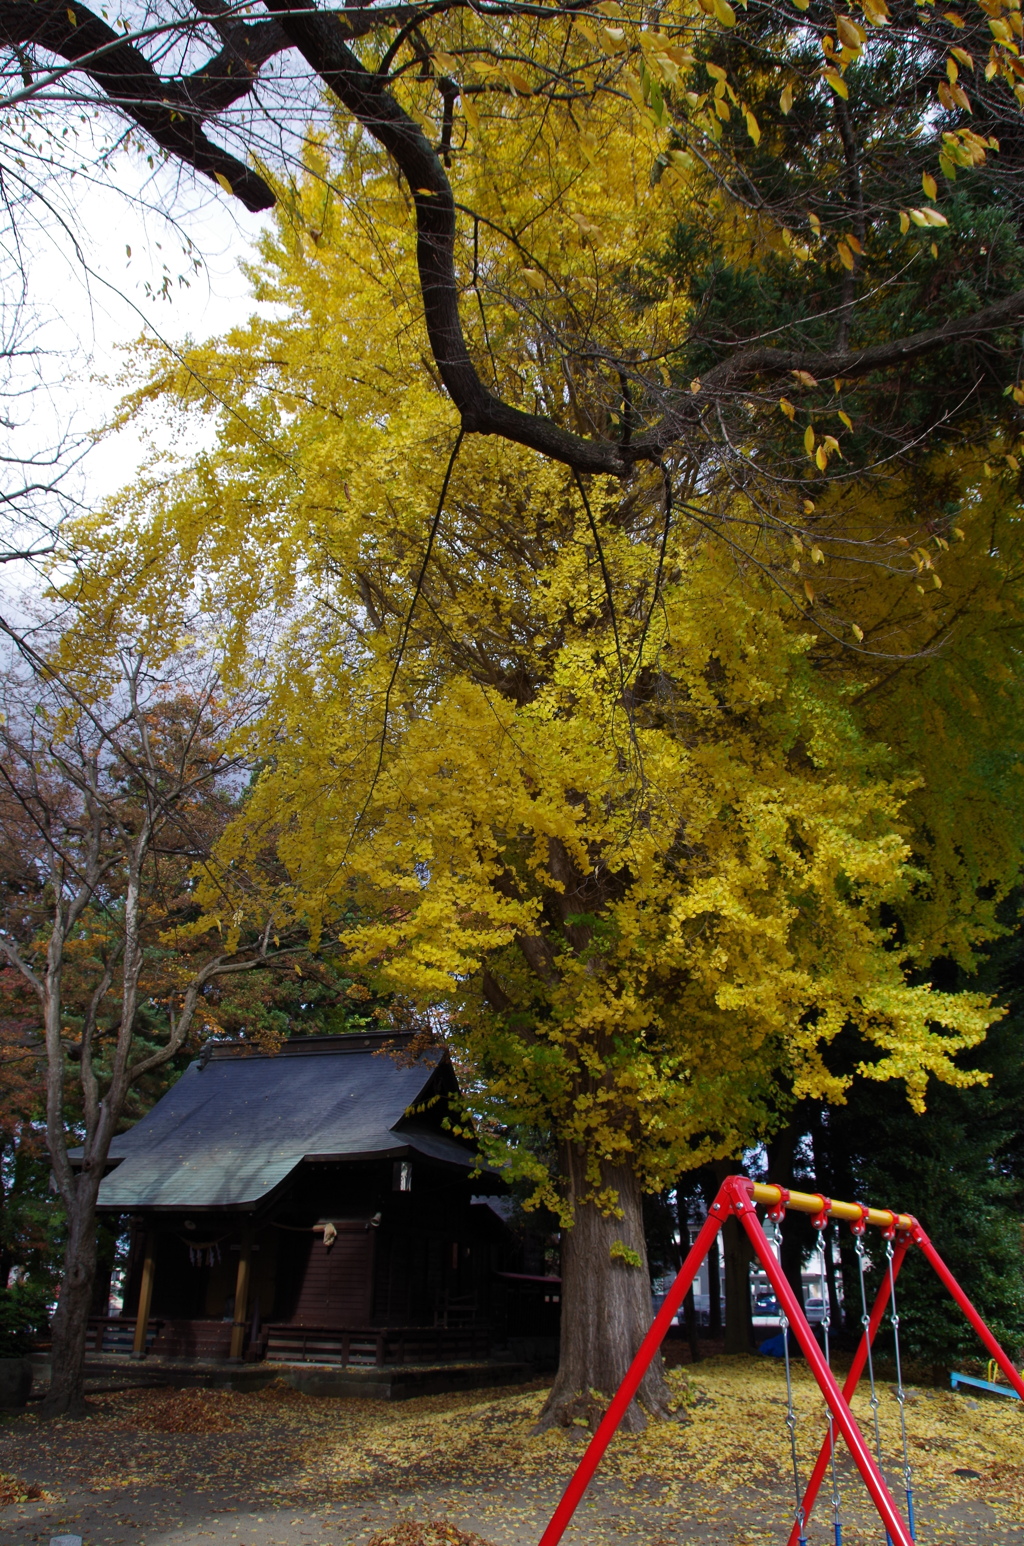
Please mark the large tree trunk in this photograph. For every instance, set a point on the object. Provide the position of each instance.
(709, 1190)
(739, 1328)
(737, 1254)
(606, 1305)
(795, 1230)
(66, 1395)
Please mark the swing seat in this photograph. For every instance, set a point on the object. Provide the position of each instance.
(956, 1380)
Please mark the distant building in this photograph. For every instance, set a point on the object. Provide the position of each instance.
(311, 1206)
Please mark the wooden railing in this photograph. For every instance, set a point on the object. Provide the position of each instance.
(116, 1334)
(373, 1347)
(346, 1347)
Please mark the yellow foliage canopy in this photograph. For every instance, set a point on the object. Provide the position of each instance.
(562, 759)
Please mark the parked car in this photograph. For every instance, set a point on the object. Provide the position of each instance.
(814, 1309)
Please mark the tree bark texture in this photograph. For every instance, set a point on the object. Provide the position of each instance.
(66, 1395)
(737, 1255)
(739, 1331)
(606, 1306)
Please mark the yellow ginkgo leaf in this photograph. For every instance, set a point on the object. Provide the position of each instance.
(835, 80)
(876, 11)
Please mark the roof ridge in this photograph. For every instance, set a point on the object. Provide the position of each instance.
(308, 1046)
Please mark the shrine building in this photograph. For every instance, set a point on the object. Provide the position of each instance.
(310, 1206)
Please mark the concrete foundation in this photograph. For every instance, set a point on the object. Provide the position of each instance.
(397, 1383)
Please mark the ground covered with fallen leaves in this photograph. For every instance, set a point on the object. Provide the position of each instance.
(275, 1468)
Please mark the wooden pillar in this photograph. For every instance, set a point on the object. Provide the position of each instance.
(145, 1296)
(241, 1298)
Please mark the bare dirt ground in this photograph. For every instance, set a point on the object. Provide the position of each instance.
(210, 1468)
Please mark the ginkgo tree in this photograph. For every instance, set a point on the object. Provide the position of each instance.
(920, 95)
(643, 833)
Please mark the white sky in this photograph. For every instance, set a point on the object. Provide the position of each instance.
(89, 304)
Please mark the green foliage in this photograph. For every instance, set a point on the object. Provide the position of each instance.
(959, 1168)
(22, 1318)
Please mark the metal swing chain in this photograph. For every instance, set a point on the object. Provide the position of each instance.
(865, 1320)
(901, 1395)
(826, 1326)
(790, 1410)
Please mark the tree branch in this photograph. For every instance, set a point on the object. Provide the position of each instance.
(169, 111)
(746, 365)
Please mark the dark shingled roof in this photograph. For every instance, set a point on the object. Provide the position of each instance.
(237, 1123)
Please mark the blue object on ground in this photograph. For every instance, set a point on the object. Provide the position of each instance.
(775, 1347)
(976, 1384)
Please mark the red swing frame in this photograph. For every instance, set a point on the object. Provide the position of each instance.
(737, 1197)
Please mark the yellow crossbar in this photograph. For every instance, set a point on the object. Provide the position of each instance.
(810, 1202)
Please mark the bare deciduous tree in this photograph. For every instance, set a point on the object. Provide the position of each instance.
(108, 799)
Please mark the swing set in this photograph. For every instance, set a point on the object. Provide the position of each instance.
(737, 1198)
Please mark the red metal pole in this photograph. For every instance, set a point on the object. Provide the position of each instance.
(845, 1420)
(852, 1381)
(717, 1214)
(950, 1282)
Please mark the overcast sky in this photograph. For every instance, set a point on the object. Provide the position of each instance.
(90, 302)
